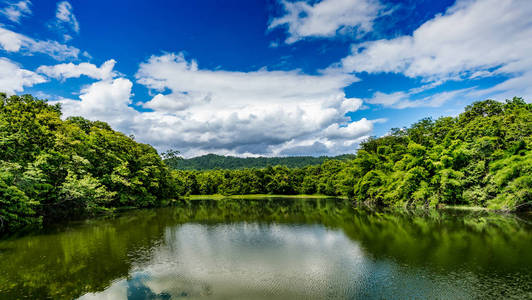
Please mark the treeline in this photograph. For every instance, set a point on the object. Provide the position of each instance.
(53, 169)
(319, 179)
(213, 162)
(482, 157)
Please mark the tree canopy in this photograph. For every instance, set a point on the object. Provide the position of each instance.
(56, 169)
(213, 162)
(53, 169)
(482, 157)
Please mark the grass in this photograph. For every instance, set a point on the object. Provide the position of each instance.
(254, 196)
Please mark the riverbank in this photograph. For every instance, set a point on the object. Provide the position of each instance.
(257, 196)
(321, 196)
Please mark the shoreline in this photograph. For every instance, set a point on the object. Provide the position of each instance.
(259, 196)
(117, 211)
(321, 196)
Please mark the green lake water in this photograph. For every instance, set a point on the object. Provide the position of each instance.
(274, 249)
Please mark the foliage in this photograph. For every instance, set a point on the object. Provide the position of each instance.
(53, 169)
(213, 161)
(482, 157)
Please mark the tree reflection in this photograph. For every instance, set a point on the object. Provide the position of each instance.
(80, 258)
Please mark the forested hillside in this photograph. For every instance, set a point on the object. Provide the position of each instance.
(482, 157)
(213, 162)
(52, 169)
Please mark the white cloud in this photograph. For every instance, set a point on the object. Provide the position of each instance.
(471, 39)
(243, 113)
(66, 21)
(401, 100)
(14, 11)
(268, 112)
(171, 102)
(70, 70)
(13, 78)
(106, 100)
(14, 42)
(517, 86)
(327, 18)
(352, 130)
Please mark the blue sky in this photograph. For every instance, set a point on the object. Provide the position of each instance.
(272, 77)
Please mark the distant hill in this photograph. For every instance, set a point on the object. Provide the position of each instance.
(213, 161)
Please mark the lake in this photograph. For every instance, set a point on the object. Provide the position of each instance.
(274, 249)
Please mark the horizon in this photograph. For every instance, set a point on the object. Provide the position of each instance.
(328, 156)
(265, 78)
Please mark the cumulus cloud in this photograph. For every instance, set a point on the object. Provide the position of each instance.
(241, 113)
(327, 18)
(333, 140)
(231, 90)
(70, 70)
(471, 39)
(106, 100)
(11, 41)
(267, 112)
(239, 110)
(14, 11)
(351, 130)
(13, 78)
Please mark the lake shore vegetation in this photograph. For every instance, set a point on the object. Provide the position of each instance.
(54, 169)
(482, 157)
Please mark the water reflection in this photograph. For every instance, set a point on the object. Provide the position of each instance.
(274, 249)
(252, 261)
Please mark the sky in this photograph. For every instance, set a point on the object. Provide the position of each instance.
(265, 77)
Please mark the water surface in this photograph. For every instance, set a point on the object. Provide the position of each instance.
(274, 249)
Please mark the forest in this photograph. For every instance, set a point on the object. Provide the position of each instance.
(53, 169)
(213, 161)
(482, 157)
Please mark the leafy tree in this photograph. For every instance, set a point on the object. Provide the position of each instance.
(213, 162)
(54, 169)
(481, 157)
